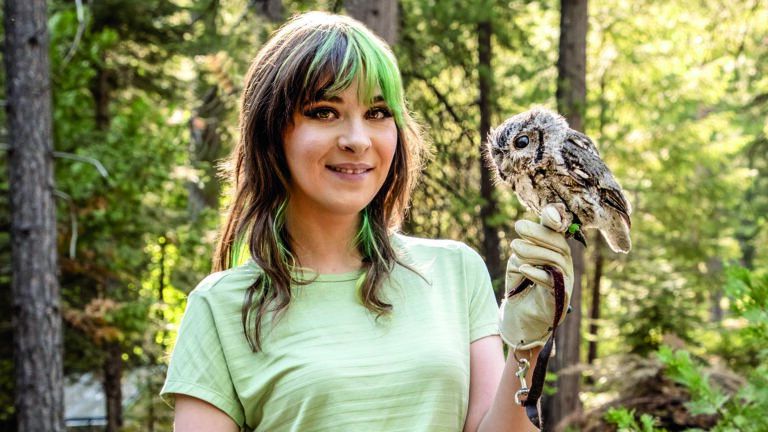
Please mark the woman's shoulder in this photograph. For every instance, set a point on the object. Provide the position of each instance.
(235, 279)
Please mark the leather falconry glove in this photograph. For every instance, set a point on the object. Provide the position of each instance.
(528, 309)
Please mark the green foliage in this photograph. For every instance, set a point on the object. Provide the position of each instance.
(673, 124)
(744, 410)
(744, 335)
(651, 316)
(679, 367)
(626, 421)
(748, 293)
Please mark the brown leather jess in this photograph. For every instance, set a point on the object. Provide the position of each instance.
(540, 371)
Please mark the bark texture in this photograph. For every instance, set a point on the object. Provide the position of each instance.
(113, 390)
(272, 9)
(205, 150)
(491, 249)
(112, 369)
(594, 309)
(571, 101)
(378, 15)
(35, 288)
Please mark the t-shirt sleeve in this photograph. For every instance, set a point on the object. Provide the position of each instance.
(198, 367)
(483, 311)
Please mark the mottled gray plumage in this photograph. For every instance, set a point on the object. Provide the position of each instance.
(546, 162)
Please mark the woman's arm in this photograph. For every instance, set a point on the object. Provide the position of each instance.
(492, 388)
(196, 415)
(529, 313)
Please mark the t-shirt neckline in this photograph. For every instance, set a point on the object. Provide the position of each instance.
(310, 275)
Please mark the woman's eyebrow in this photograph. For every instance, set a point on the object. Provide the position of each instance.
(334, 99)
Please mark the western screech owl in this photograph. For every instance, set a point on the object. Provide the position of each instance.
(546, 162)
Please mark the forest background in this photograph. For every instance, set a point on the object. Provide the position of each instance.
(672, 335)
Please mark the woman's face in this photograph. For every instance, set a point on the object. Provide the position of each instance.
(339, 151)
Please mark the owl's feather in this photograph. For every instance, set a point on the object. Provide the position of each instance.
(546, 162)
(592, 170)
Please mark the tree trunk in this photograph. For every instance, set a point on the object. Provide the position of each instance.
(572, 62)
(566, 401)
(748, 229)
(598, 256)
(594, 309)
(112, 368)
(378, 15)
(113, 373)
(205, 151)
(151, 405)
(36, 316)
(272, 9)
(100, 89)
(715, 272)
(571, 101)
(491, 250)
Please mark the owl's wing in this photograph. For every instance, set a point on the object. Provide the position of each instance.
(582, 163)
(582, 141)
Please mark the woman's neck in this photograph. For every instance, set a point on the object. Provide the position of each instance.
(325, 245)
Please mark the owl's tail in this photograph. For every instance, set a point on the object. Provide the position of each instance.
(616, 233)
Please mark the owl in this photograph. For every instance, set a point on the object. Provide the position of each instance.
(546, 162)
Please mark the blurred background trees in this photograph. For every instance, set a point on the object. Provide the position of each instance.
(145, 96)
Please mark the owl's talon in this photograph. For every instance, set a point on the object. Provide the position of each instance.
(556, 217)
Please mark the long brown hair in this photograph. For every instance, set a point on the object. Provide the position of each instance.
(311, 56)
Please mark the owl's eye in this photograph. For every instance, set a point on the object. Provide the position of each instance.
(521, 142)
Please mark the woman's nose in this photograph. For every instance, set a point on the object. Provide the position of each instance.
(355, 137)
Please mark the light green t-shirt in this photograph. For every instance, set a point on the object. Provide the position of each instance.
(327, 364)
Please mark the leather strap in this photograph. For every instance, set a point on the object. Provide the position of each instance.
(531, 403)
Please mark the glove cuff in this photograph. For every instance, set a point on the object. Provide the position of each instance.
(523, 345)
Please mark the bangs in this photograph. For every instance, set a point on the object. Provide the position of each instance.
(345, 56)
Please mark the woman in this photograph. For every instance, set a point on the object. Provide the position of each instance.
(334, 322)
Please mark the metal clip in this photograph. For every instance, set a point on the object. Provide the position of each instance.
(522, 371)
(522, 393)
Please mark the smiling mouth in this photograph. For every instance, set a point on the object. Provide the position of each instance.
(349, 170)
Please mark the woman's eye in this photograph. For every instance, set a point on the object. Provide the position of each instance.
(320, 113)
(379, 113)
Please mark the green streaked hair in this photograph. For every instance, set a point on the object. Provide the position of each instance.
(313, 56)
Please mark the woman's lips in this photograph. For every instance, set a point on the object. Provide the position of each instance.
(350, 171)
(350, 168)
